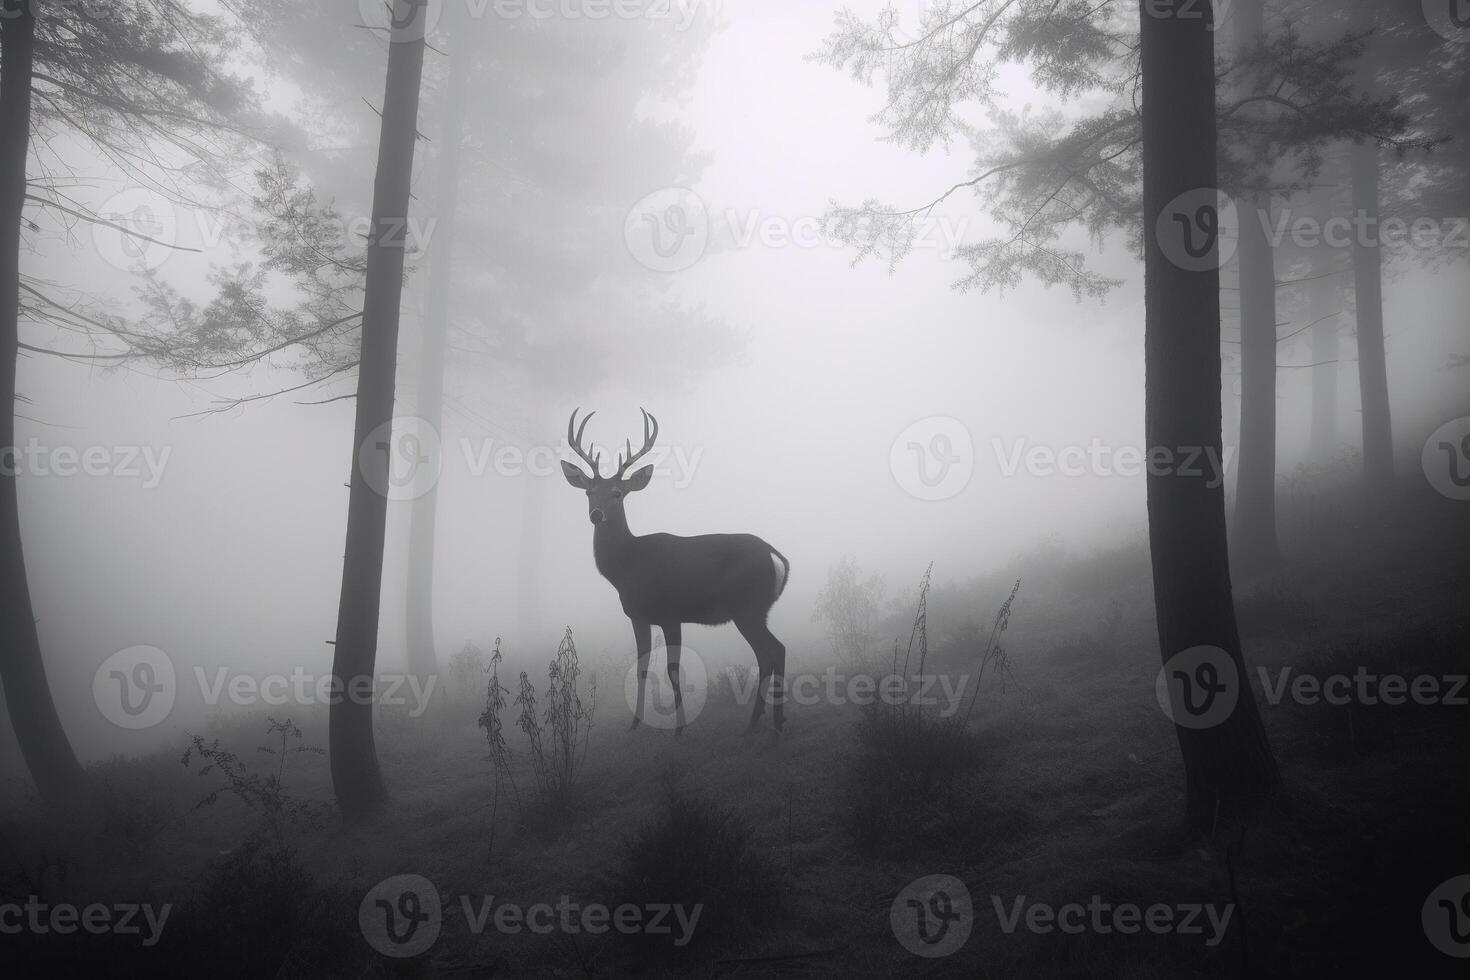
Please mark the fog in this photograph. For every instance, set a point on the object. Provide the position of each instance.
(839, 406)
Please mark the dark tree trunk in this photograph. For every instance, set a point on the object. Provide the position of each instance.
(355, 774)
(1254, 528)
(48, 754)
(1229, 764)
(423, 657)
(1368, 283)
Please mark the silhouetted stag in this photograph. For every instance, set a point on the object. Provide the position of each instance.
(666, 580)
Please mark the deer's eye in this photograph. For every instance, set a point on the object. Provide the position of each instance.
(616, 494)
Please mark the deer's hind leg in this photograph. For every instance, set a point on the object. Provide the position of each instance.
(770, 658)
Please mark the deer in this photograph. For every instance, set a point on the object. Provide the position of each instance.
(667, 580)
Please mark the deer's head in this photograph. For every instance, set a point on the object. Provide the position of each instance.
(605, 494)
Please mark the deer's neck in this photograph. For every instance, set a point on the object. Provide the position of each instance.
(611, 546)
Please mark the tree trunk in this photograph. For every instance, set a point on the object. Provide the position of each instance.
(1368, 283)
(1230, 763)
(1254, 530)
(43, 742)
(423, 657)
(1322, 312)
(355, 774)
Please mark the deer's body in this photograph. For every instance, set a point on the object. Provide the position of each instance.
(710, 579)
(667, 580)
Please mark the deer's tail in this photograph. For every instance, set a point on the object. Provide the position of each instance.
(783, 576)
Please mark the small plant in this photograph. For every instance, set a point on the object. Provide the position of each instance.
(495, 694)
(560, 747)
(909, 757)
(265, 794)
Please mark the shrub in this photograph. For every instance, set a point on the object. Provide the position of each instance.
(559, 737)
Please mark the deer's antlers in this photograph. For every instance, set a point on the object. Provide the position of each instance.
(650, 433)
(575, 440)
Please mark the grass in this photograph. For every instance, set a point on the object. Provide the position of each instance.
(1067, 784)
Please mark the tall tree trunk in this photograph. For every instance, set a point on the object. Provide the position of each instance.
(1322, 313)
(48, 754)
(1368, 283)
(1254, 530)
(423, 657)
(1228, 764)
(355, 774)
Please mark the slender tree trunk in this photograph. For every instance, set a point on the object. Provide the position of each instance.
(1228, 764)
(355, 774)
(1322, 310)
(43, 743)
(1368, 283)
(423, 657)
(1254, 530)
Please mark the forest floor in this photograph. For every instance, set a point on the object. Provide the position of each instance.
(1069, 791)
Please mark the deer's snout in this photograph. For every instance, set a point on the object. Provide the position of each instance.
(597, 515)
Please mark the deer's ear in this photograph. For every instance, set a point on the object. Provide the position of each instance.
(639, 479)
(575, 476)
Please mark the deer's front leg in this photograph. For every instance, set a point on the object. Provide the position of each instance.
(642, 636)
(672, 640)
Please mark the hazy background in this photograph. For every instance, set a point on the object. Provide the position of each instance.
(234, 558)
